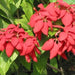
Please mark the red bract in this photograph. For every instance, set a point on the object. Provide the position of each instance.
(67, 19)
(40, 21)
(62, 3)
(48, 44)
(64, 42)
(9, 49)
(13, 37)
(29, 49)
(56, 48)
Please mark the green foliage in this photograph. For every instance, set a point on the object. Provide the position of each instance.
(8, 8)
(6, 62)
(24, 63)
(19, 12)
(54, 63)
(70, 1)
(52, 33)
(39, 68)
(27, 8)
(52, 0)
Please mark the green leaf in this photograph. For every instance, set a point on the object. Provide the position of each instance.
(5, 62)
(54, 63)
(27, 8)
(23, 23)
(52, 0)
(3, 24)
(8, 7)
(70, 1)
(17, 3)
(24, 63)
(30, 32)
(39, 68)
(5, 6)
(31, 1)
(52, 33)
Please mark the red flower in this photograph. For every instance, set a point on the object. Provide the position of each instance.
(14, 37)
(41, 21)
(29, 49)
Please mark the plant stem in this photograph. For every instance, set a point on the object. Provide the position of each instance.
(54, 68)
(18, 14)
(59, 70)
(42, 1)
(62, 72)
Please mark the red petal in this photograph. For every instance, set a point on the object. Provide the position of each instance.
(41, 6)
(2, 41)
(73, 50)
(9, 35)
(73, 35)
(19, 46)
(11, 26)
(34, 56)
(57, 10)
(45, 28)
(14, 41)
(72, 29)
(48, 45)
(62, 36)
(50, 8)
(71, 40)
(38, 26)
(1, 47)
(38, 35)
(64, 56)
(62, 3)
(27, 58)
(24, 50)
(37, 50)
(62, 13)
(50, 25)
(54, 51)
(69, 48)
(67, 19)
(9, 49)
(53, 18)
(29, 49)
(30, 45)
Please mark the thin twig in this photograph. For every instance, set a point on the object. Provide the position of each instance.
(42, 1)
(54, 68)
(18, 14)
(62, 72)
(59, 70)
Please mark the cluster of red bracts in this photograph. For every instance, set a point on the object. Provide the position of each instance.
(43, 20)
(13, 37)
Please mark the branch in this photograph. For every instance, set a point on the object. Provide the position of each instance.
(42, 1)
(18, 14)
(59, 70)
(54, 68)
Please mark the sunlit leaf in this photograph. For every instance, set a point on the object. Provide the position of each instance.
(6, 62)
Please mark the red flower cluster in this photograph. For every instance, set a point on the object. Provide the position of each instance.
(13, 37)
(44, 19)
(64, 42)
